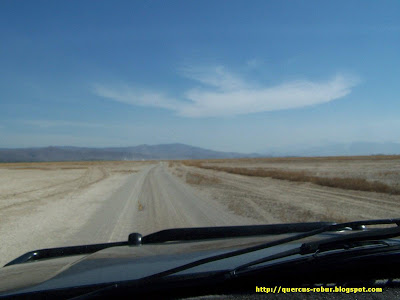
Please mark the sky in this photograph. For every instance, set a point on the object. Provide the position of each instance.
(245, 76)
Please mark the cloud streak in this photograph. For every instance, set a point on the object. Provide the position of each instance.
(218, 92)
(59, 123)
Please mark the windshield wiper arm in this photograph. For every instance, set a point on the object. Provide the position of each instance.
(334, 227)
(337, 242)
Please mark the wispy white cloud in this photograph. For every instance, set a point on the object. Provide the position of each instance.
(217, 77)
(222, 93)
(59, 123)
(134, 96)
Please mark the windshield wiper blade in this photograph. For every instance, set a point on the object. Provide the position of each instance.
(62, 251)
(334, 227)
(364, 238)
(201, 233)
(133, 240)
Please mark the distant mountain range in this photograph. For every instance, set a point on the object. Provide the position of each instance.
(182, 151)
(141, 152)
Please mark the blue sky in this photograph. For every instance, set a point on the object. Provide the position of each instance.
(243, 76)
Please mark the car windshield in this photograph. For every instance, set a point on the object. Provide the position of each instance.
(140, 116)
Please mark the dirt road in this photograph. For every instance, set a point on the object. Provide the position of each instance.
(152, 200)
(84, 210)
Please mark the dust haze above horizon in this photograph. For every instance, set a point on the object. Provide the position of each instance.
(233, 76)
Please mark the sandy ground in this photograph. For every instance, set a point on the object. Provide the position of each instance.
(59, 204)
(45, 205)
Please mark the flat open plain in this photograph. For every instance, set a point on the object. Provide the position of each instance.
(58, 204)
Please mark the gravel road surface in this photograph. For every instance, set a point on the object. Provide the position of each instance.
(153, 200)
(149, 200)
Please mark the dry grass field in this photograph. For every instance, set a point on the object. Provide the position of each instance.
(301, 189)
(373, 174)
